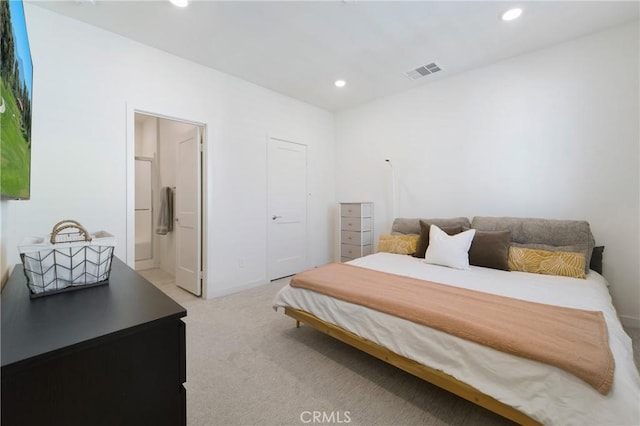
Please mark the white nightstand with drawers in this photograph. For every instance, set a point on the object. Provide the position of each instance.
(356, 230)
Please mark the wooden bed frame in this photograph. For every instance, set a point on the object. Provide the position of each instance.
(423, 372)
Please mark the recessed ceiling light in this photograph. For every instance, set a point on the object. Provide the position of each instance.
(511, 14)
(340, 83)
(180, 3)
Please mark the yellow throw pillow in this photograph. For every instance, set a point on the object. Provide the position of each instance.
(563, 263)
(398, 244)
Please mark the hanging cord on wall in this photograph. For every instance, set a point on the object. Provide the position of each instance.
(394, 211)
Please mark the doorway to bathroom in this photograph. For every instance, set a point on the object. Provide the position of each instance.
(168, 200)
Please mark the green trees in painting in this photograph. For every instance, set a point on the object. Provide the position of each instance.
(15, 109)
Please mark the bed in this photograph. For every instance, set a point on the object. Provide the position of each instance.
(523, 390)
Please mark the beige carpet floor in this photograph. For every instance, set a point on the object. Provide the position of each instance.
(248, 365)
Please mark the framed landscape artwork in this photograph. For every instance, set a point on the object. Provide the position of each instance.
(16, 78)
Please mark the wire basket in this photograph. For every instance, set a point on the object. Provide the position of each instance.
(69, 260)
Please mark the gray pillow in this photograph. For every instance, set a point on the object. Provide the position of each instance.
(596, 259)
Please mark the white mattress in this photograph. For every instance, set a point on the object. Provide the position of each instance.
(545, 393)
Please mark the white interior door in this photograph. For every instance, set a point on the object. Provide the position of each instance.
(287, 187)
(187, 212)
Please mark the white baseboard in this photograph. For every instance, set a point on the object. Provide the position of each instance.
(231, 290)
(631, 322)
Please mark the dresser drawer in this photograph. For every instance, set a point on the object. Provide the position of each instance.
(356, 223)
(356, 210)
(355, 237)
(352, 251)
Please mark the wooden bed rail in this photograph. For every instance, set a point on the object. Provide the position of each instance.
(423, 372)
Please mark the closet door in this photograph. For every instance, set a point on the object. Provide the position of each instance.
(287, 220)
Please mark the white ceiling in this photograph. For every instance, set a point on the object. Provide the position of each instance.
(300, 48)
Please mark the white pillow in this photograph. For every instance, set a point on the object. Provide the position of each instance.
(449, 250)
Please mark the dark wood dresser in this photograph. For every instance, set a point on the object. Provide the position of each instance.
(106, 355)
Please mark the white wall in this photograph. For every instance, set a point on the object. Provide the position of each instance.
(146, 137)
(550, 134)
(85, 82)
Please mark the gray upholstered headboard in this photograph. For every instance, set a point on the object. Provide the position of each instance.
(412, 225)
(546, 234)
(539, 231)
(564, 235)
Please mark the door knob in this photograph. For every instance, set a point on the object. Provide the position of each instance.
(275, 217)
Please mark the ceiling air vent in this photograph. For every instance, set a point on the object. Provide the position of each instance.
(423, 71)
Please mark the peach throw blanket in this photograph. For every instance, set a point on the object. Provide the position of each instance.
(572, 339)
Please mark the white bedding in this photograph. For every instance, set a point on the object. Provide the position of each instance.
(545, 393)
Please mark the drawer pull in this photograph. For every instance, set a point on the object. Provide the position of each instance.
(349, 224)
